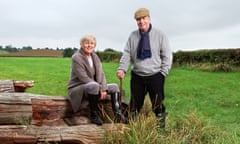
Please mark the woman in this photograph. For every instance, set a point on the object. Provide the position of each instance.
(88, 81)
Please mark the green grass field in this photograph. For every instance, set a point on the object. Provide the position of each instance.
(212, 97)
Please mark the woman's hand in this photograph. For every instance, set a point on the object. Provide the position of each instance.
(103, 95)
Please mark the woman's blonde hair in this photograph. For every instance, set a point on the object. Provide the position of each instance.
(88, 38)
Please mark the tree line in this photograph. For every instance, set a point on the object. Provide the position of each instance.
(107, 55)
(213, 56)
(10, 48)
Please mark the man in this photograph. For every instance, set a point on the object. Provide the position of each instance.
(148, 51)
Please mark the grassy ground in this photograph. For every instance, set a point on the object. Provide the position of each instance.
(200, 104)
(49, 74)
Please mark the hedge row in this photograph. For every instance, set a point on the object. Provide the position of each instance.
(225, 56)
(213, 56)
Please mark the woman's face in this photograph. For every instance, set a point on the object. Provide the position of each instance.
(88, 46)
(143, 23)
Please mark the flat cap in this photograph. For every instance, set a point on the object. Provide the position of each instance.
(141, 13)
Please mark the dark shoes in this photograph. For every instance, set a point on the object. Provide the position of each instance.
(134, 115)
(120, 118)
(95, 118)
(115, 100)
(161, 118)
(93, 101)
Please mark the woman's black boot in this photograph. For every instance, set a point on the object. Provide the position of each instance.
(115, 100)
(93, 101)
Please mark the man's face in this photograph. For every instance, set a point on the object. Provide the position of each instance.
(143, 23)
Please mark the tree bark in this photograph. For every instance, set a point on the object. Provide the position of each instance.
(81, 134)
(15, 107)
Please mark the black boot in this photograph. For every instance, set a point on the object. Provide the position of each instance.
(95, 118)
(161, 118)
(93, 101)
(134, 115)
(115, 99)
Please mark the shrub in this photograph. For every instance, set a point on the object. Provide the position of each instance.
(109, 56)
(221, 67)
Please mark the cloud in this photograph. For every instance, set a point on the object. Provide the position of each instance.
(190, 24)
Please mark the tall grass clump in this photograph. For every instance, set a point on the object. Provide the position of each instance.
(187, 129)
(181, 129)
(137, 131)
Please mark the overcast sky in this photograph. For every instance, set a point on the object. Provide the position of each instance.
(189, 24)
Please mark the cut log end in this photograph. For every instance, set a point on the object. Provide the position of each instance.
(15, 85)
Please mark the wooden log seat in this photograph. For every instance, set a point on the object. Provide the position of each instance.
(18, 108)
(35, 119)
(58, 111)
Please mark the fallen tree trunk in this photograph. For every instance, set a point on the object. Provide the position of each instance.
(15, 107)
(25, 108)
(81, 134)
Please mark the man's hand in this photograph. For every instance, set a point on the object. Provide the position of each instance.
(120, 74)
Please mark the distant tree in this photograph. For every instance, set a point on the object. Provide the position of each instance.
(109, 50)
(75, 49)
(26, 48)
(68, 52)
(9, 48)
